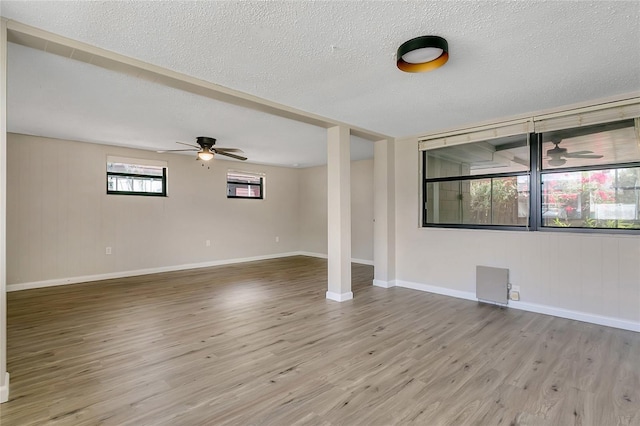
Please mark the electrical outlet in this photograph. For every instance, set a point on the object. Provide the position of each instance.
(514, 293)
(107, 250)
(207, 243)
(277, 239)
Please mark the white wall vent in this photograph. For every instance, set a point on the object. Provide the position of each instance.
(492, 284)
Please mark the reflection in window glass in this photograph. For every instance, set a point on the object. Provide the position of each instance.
(608, 143)
(502, 155)
(490, 201)
(136, 179)
(608, 198)
(245, 185)
(134, 169)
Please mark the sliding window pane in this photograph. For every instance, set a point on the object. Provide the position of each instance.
(490, 201)
(134, 169)
(502, 155)
(510, 201)
(609, 143)
(135, 179)
(608, 198)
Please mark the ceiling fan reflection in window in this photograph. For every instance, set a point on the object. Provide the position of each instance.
(207, 149)
(558, 156)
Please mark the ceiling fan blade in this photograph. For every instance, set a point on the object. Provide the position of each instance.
(188, 144)
(576, 155)
(237, 157)
(177, 150)
(215, 148)
(579, 152)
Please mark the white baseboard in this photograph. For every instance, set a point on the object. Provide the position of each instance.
(437, 290)
(530, 307)
(122, 274)
(147, 271)
(312, 254)
(576, 315)
(384, 284)
(324, 256)
(4, 389)
(339, 297)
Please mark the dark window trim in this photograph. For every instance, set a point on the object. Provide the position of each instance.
(458, 178)
(585, 230)
(535, 194)
(236, 182)
(477, 177)
(143, 193)
(477, 226)
(535, 197)
(244, 197)
(589, 168)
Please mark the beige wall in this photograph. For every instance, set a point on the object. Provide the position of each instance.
(60, 219)
(313, 210)
(596, 274)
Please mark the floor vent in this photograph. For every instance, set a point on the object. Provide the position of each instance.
(492, 284)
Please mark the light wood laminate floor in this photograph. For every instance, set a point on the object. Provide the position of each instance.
(258, 344)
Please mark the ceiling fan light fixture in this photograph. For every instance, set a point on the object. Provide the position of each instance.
(557, 162)
(422, 54)
(205, 155)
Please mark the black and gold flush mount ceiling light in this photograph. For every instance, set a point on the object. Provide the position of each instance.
(422, 54)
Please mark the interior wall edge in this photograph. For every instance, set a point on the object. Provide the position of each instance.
(4, 375)
(529, 307)
(4, 389)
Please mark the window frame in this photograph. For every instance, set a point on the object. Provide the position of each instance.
(260, 185)
(426, 181)
(136, 162)
(538, 226)
(536, 173)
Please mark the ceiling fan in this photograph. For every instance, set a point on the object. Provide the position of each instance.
(207, 149)
(558, 156)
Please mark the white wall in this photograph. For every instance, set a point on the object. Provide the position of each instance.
(60, 218)
(313, 210)
(567, 274)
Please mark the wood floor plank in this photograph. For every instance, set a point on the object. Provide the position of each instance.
(259, 344)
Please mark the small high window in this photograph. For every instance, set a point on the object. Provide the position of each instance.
(245, 185)
(130, 176)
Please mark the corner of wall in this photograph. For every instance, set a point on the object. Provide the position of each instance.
(4, 389)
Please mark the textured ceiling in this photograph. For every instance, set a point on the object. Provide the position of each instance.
(331, 58)
(52, 96)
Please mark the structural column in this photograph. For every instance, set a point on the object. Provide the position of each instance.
(384, 233)
(339, 213)
(4, 376)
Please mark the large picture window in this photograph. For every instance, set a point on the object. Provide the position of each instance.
(563, 172)
(482, 183)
